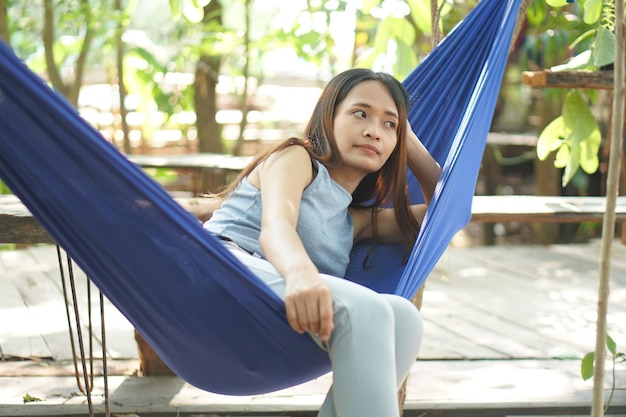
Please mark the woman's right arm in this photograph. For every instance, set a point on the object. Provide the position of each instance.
(282, 179)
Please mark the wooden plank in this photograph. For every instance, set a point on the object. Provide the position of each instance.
(43, 299)
(435, 388)
(19, 337)
(514, 139)
(192, 161)
(596, 80)
(546, 209)
(119, 332)
(554, 296)
(17, 225)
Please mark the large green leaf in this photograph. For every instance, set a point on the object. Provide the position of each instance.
(603, 52)
(420, 11)
(592, 11)
(406, 60)
(551, 138)
(402, 29)
(383, 34)
(577, 115)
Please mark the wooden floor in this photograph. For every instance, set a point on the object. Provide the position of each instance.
(506, 327)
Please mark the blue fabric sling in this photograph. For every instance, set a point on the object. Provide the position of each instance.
(215, 324)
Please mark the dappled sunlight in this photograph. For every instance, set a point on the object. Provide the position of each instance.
(49, 318)
(38, 320)
(473, 272)
(520, 385)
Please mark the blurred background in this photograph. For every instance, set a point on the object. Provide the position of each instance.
(232, 77)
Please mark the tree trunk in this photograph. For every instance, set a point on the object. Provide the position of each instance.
(243, 102)
(120, 80)
(4, 23)
(72, 89)
(205, 96)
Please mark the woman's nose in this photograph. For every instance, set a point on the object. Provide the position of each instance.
(372, 132)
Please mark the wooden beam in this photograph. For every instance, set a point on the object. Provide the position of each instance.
(597, 80)
(542, 209)
(17, 225)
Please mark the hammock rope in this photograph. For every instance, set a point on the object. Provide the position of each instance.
(208, 317)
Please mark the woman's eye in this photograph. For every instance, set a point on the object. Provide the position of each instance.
(391, 124)
(360, 113)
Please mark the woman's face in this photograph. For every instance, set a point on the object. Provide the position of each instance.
(365, 127)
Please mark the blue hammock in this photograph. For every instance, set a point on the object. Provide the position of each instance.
(211, 321)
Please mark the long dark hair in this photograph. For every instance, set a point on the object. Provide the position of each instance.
(385, 187)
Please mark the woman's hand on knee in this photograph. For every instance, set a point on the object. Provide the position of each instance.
(309, 306)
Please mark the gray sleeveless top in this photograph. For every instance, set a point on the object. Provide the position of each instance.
(324, 222)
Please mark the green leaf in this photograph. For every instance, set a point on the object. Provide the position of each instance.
(572, 164)
(420, 11)
(603, 52)
(611, 345)
(402, 29)
(577, 116)
(586, 366)
(562, 157)
(175, 8)
(583, 136)
(27, 398)
(550, 138)
(589, 148)
(557, 3)
(192, 11)
(406, 60)
(383, 34)
(592, 11)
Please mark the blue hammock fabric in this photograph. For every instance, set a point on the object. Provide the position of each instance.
(215, 324)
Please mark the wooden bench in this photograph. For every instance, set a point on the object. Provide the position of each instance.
(18, 226)
(543, 209)
(208, 171)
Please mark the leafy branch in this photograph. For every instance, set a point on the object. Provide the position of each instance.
(587, 365)
(575, 135)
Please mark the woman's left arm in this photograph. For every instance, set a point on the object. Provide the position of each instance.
(422, 164)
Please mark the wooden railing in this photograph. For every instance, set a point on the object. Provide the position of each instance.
(17, 225)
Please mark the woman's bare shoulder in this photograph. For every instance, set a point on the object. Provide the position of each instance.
(292, 160)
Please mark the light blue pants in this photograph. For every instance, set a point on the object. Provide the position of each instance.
(372, 348)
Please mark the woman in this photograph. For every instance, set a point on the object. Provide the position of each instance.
(294, 214)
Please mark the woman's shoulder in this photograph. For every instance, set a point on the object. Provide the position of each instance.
(293, 160)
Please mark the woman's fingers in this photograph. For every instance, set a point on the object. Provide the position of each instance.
(326, 318)
(311, 311)
(291, 308)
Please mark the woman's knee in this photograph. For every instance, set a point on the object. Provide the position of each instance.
(406, 315)
(357, 305)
